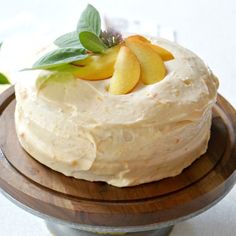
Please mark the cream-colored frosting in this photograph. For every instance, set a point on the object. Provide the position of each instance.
(77, 128)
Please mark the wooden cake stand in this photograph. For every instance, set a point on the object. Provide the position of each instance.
(77, 207)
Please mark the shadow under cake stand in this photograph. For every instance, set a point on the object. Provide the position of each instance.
(77, 207)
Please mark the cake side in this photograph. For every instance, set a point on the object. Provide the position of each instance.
(78, 128)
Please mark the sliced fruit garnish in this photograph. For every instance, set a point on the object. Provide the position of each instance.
(164, 54)
(152, 66)
(127, 72)
(91, 53)
(97, 66)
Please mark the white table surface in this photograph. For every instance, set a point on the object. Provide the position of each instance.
(206, 27)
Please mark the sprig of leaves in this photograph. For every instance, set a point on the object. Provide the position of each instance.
(87, 34)
(79, 44)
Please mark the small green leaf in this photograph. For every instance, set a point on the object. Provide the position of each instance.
(68, 40)
(91, 42)
(89, 29)
(47, 76)
(90, 21)
(60, 57)
(3, 79)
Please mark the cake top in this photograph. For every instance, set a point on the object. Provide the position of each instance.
(123, 80)
(185, 92)
(90, 53)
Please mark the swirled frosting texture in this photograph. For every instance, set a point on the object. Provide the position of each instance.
(77, 128)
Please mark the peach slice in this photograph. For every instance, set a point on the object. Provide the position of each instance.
(97, 66)
(126, 74)
(164, 54)
(152, 67)
(138, 37)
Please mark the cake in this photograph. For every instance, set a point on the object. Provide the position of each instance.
(125, 124)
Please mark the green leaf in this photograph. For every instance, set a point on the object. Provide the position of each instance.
(68, 40)
(89, 29)
(3, 79)
(91, 42)
(52, 76)
(90, 21)
(60, 57)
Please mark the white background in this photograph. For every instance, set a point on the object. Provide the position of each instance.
(206, 27)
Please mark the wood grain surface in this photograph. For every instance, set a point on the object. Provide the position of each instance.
(97, 203)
